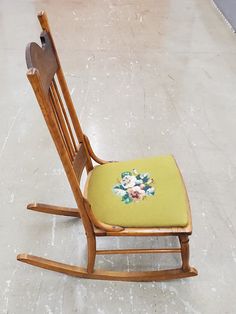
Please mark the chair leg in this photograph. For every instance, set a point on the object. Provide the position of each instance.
(91, 243)
(91, 273)
(184, 242)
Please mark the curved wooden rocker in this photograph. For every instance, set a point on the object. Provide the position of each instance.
(98, 214)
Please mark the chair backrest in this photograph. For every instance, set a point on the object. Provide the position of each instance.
(47, 79)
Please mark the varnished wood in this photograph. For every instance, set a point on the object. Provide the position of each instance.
(43, 19)
(91, 248)
(48, 82)
(144, 232)
(91, 152)
(184, 242)
(42, 59)
(139, 251)
(62, 122)
(80, 160)
(133, 232)
(81, 272)
(68, 125)
(55, 210)
(33, 76)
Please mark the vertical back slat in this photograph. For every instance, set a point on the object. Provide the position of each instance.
(51, 99)
(80, 161)
(65, 114)
(62, 122)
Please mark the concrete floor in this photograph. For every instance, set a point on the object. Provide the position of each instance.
(148, 78)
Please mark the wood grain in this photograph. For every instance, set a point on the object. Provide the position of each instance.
(48, 82)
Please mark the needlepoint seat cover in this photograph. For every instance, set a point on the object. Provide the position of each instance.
(139, 193)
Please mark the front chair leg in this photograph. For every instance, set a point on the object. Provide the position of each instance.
(91, 247)
(55, 210)
(184, 242)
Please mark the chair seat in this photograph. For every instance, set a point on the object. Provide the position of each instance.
(139, 193)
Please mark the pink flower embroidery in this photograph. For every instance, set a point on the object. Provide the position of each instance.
(136, 193)
(134, 186)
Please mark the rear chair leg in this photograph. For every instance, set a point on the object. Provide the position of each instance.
(184, 242)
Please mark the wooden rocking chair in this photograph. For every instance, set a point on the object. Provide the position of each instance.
(131, 198)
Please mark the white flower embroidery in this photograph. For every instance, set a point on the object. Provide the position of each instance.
(134, 187)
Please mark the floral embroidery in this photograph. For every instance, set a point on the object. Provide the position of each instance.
(134, 186)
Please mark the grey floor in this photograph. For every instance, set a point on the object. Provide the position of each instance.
(148, 78)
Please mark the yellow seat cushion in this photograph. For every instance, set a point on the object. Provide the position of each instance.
(139, 193)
